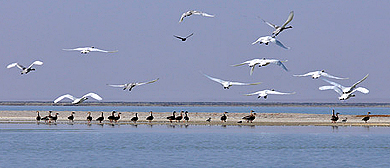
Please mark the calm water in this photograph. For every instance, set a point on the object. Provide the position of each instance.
(29, 145)
(234, 109)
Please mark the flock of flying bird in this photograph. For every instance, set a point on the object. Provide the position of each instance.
(344, 92)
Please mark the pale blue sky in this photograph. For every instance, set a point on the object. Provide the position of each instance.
(346, 38)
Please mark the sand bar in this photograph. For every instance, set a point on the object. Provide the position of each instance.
(199, 118)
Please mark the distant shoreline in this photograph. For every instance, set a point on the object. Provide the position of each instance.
(256, 104)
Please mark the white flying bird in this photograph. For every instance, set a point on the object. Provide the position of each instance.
(262, 62)
(265, 93)
(345, 92)
(317, 74)
(23, 69)
(227, 84)
(86, 50)
(267, 39)
(279, 29)
(193, 12)
(78, 100)
(131, 85)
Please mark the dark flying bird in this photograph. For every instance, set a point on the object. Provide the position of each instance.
(183, 38)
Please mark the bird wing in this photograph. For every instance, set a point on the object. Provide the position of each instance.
(334, 84)
(278, 62)
(258, 40)
(15, 64)
(254, 93)
(246, 62)
(93, 95)
(239, 83)
(116, 85)
(64, 96)
(354, 85)
(207, 15)
(181, 38)
(252, 69)
(36, 63)
(100, 50)
(190, 35)
(331, 76)
(75, 49)
(147, 82)
(290, 17)
(215, 79)
(335, 88)
(362, 89)
(280, 44)
(278, 93)
(307, 74)
(182, 16)
(270, 24)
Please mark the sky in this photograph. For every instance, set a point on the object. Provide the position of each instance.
(345, 38)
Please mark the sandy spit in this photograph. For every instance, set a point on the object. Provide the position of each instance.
(262, 119)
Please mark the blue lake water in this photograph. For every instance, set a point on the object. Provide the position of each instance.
(232, 109)
(79, 145)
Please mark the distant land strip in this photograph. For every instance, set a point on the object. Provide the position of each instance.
(264, 104)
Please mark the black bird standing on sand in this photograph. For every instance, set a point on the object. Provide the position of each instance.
(135, 119)
(367, 117)
(54, 118)
(186, 118)
(183, 38)
(172, 117)
(111, 117)
(89, 117)
(46, 118)
(224, 117)
(334, 117)
(150, 118)
(71, 117)
(118, 117)
(209, 119)
(38, 118)
(100, 119)
(178, 118)
(250, 117)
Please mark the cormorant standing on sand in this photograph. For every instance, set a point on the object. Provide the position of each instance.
(224, 117)
(100, 119)
(150, 118)
(367, 117)
(172, 117)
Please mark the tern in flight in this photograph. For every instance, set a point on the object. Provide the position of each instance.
(227, 84)
(86, 50)
(317, 74)
(279, 29)
(193, 12)
(262, 62)
(183, 38)
(78, 100)
(267, 39)
(132, 85)
(23, 69)
(345, 92)
(265, 93)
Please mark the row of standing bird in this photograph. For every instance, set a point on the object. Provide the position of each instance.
(112, 118)
(335, 117)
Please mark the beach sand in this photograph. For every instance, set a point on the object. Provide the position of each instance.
(262, 119)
